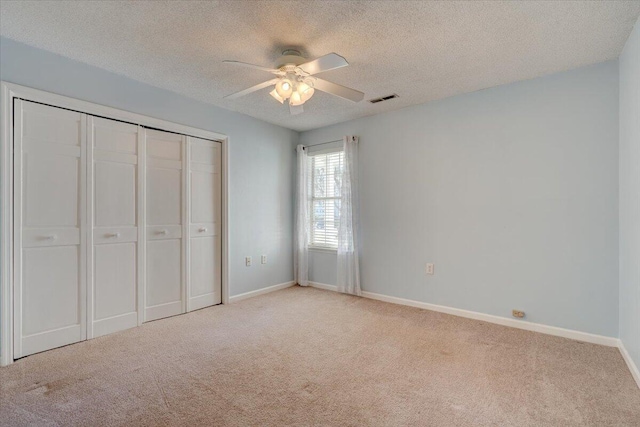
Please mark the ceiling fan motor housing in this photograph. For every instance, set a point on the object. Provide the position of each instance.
(290, 58)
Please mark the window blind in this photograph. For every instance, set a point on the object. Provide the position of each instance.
(326, 181)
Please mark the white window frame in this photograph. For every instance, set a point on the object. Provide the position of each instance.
(312, 199)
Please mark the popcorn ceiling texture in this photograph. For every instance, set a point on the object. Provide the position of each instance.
(420, 50)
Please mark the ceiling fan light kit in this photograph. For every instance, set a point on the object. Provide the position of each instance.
(296, 82)
(284, 88)
(278, 98)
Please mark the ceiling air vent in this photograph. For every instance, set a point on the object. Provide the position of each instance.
(384, 98)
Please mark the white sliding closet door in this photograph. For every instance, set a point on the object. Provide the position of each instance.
(114, 215)
(165, 214)
(205, 243)
(49, 228)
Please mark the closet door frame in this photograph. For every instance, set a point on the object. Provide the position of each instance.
(8, 93)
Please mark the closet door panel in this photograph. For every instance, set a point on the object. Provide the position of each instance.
(165, 250)
(114, 235)
(205, 247)
(205, 152)
(164, 195)
(204, 194)
(115, 286)
(115, 137)
(115, 194)
(49, 307)
(49, 228)
(50, 125)
(113, 212)
(165, 145)
(164, 272)
(206, 282)
(51, 189)
(39, 237)
(163, 232)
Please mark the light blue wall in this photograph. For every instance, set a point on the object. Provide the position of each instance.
(322, 267)
(630, 195)
(261, 155)
(512, 192)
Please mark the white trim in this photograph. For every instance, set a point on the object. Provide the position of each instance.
(9, 91)
(186, 223)
(225, 221)
(89, 207)
(324, 286)
(16, 255)
(489, 318)
(323, 249)
(6, 232)
(141, 245)
(84, 230)
(635, 372)
(56, 100)
(268, 289)
(186, 214)
(337, 149)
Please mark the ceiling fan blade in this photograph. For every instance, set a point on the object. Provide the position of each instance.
(295, 109)
(339, 90)
(257, 67)
(252, 89)
(327, 62)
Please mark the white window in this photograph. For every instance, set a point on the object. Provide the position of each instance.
(325, 181)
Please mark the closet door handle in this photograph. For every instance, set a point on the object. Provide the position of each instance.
(202, 229)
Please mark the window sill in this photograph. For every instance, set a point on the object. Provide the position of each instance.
(321, 249)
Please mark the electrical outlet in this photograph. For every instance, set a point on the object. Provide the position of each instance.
(517, 313)
(430, 268)
(247, 261)
(264, 259)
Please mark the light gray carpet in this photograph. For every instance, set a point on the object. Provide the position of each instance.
(303, 356)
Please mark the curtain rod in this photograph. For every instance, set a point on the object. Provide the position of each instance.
(322, 143)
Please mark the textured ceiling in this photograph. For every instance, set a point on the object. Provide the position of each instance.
(420, 50)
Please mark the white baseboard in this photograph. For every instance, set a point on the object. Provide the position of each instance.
(635, 372)
(240, 297)
(519, 324)
(324, 286)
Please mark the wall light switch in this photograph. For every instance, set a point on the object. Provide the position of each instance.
(430, 268)
(264, 259)
(247, 261)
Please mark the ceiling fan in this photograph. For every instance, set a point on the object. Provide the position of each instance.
(296, 81)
